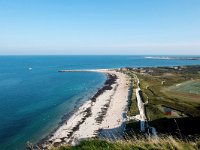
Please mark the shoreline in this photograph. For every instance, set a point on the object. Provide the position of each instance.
(67, 116)
(93, 113)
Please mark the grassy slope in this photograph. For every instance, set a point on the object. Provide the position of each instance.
(167, 143)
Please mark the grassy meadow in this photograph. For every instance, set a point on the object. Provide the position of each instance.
(174, 88)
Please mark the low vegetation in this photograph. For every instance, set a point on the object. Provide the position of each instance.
(167, 143)
(133, 110)
(169, 88)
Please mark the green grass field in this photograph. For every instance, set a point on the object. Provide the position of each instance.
(192, 87)
(160, 86)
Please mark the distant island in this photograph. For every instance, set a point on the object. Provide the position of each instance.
(173, 57)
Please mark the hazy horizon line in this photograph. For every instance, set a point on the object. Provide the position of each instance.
(99, 55)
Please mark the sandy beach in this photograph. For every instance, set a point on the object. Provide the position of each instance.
(104, 111)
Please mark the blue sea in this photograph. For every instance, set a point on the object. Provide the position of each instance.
(34, 96)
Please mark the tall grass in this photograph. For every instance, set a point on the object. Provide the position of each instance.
(162, 143)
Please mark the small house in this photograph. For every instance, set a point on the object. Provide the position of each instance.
(168, 111)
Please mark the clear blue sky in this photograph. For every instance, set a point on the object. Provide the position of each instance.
(100, 27)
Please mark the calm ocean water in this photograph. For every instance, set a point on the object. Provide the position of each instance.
(32, 102)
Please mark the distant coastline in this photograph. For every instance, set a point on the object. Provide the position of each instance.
(172, 57)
